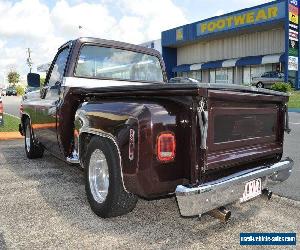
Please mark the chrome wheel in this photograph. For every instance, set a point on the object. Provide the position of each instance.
(27, 138)
(98, 176)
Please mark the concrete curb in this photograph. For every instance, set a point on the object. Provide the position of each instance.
(10, 135)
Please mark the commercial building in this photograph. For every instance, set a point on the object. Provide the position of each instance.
(235, 47)
(154, 44)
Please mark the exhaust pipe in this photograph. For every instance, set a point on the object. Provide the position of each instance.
(220, 213)
(266, 194)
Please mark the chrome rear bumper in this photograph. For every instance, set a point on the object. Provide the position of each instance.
(211, 195)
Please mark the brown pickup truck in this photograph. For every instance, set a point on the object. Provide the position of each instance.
(107, 106)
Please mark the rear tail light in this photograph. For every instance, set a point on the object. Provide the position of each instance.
(166, 146)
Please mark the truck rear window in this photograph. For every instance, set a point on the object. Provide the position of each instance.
(102, 62)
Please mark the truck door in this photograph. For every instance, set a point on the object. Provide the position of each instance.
(45, 126)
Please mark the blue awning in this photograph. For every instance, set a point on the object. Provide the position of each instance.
(243, 61)
(249, 60)
(212, 65)
(182, 68)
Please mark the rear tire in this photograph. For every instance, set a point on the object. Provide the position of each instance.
(32, 148)
(103, 180)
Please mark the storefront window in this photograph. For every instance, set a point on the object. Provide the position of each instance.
(258, 70)
(246, 75)
(224, 75)
(212, 76)
(255, 71)
(230, 72)
(196, 74)
(221, 76)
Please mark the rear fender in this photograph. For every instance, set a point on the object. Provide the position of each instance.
(103, 120)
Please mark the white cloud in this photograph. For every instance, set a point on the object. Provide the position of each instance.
(95, 19)
(31, 23)
(155, 15)
(219, 13)
(25, 19)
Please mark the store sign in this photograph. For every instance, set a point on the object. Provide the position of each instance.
(254, 16)
(293, 48)
(179, 34)
(293, 35)
(293, 63)
(294, 2)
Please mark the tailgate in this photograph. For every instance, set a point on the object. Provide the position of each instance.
(243, 128)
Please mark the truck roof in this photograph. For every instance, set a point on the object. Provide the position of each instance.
(112, 43)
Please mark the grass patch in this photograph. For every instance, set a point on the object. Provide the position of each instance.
(294, 101)
(11, 124)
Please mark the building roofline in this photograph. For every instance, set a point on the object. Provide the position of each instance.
(227, 14)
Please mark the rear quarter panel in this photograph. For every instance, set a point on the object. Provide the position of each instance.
(143, 175)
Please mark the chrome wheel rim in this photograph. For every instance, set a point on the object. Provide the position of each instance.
(98, 176)
(27, 138)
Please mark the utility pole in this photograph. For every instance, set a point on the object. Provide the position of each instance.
(29, 60)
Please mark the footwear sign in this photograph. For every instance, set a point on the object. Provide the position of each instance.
(293, 35)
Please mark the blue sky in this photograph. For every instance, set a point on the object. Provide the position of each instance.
(43, 25)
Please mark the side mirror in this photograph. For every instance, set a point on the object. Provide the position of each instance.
(33, 80)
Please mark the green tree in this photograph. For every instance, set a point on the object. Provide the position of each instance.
(20, 90)
(13, 77)
(42, 81)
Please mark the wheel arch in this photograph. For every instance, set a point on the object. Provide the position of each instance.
(85, 137)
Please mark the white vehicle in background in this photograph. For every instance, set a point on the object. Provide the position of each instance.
(267, 79)
(183, 80)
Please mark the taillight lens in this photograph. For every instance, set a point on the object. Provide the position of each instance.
(166, 147)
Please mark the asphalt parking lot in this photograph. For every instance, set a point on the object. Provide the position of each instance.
(43, 205)
(291, 188)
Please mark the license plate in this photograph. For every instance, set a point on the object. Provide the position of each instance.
(252, 189)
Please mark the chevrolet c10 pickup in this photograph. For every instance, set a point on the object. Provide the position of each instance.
(108, 107)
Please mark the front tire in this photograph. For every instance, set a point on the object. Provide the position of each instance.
(103, 180)
(32, 148)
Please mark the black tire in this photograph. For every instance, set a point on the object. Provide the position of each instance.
(259, 85)
(32, 148)
(117, 201)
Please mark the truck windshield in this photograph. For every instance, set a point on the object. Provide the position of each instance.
(102, 62)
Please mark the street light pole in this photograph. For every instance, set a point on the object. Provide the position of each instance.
(29, 60)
